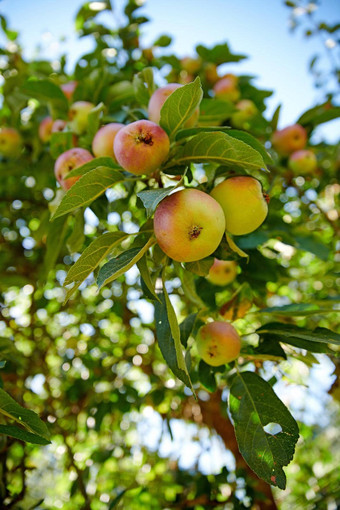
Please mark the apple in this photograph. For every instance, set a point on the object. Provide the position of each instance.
(10, 142)
(303, 162)
(191, 65)
(141, 147)
(102, 144)
(58, 125)
(243, 203)
(222, 272)
(226, 88)
(67, 161)
(159, 97)
(218, 343)
(45, 129)
(69, 88)
(246, 110)
(78, 115)
(189, 225)
(210, 73)
(290, 139)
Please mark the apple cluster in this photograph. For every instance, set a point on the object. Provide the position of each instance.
(189, 224)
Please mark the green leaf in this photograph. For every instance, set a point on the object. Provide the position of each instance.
(92, 165)
(300, 309)
(171, 349)
(54, 242)
(91, 258)
(218, 148)
(94, 120)
(319, 114)
(60, 142)
(25, 417)
(144, 85)
(253, 142)
(200, 267)
(179, 106)
(186, 328)
(145, 275)
(275, 119)
(219, 54)
(76, 239)
(189, 132)
(89, 187)
(22, 434)
(207, 376)
(312, 244)
(322, 335)
(119, 265)
(152, 197)
(163, 41)
(254, 405)
(188, 285)
(46, 91)
(214, 111)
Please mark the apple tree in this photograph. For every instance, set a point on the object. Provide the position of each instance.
(167, 264)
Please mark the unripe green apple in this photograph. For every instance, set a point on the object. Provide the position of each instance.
(189, 225)
(102, 144)
(67, 161)
(45, 129)
(210, 73)
(303, 162)
(222, 272)
(191, 65)
(69, 88)
(141, 147)
(290, 139)
(246, 110)
(78, 115)
(10, 142)
(218, 343)
(243, 203)
(226, 88)
(159, 97)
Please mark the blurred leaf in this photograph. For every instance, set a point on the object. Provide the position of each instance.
(60, 142)
(319, 114)
(214, 111)
(299, 309)
(76, 239)
(253, 405)
(145, 275)
(180, 106)
(46, 91)
(186, 327)
(144, 85)
(206, 376)
(200, 267)
(219, 54)
(163, 41)
(54, 242)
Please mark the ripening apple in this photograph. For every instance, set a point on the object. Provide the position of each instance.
(102, 144)
(303, 162)
(290, 139)
(243, 203)
(159, 97)
(141, 147)
(69, 88)
(67, 161)
(218, 343)
(10, 142)
(226, 88)
(58, 125)
(78, 115)
(222, 272)
(246, 110)
(45, 129)
(189, 225)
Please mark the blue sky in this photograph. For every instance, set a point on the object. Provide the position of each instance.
(257, 28)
